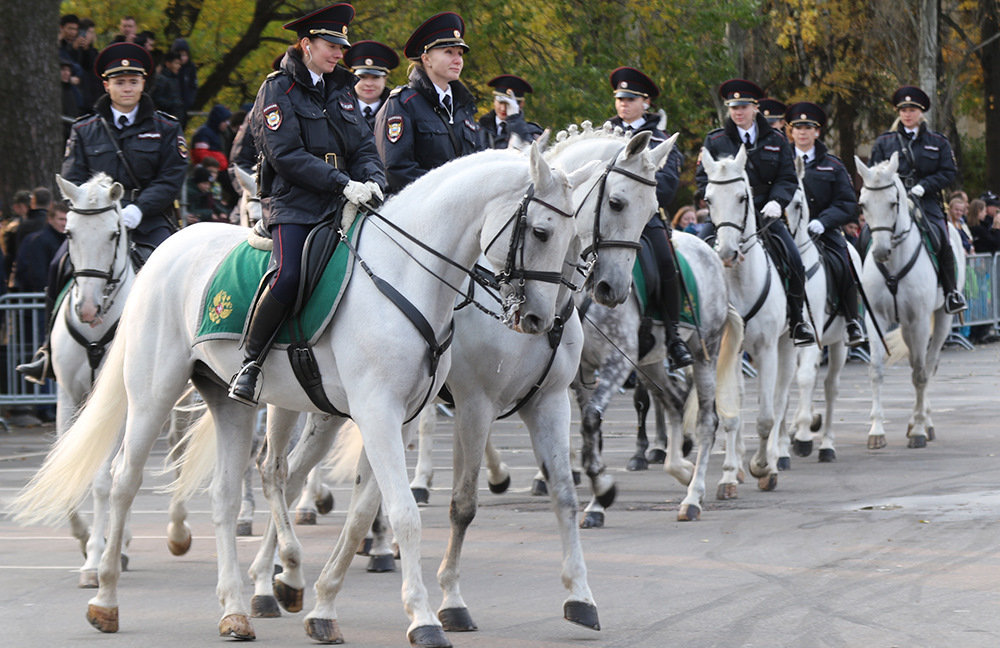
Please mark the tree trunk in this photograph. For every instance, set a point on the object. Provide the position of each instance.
(990, 57)
(30, 98)
(927, 53)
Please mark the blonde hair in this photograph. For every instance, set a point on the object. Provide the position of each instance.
(675, 222)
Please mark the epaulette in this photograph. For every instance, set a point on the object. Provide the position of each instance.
(167, 115)
(83, 117)
(395, 91)
(831, 156)
(273, 74)
(713, 134)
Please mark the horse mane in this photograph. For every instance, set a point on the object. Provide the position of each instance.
(575, 133)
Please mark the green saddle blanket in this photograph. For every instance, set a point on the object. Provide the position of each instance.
(227, 300)
(641, 291)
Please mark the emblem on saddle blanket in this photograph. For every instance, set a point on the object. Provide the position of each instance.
(222, 307)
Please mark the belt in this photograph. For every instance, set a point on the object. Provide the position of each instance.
(331, 159)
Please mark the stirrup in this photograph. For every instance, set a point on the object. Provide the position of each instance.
(855, 334)
(802, 335)
(954, 303)
(243, 386)
(679, 354)
(39, 370)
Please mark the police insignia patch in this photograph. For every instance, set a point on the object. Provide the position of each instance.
(394, 128)
(222, 307)
(346, 105)
(182, 147)
(272, 117)
(69, 147)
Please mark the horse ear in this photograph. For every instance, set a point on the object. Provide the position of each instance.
(800, 167)
(246, 180)
(707, 161)
(68, 189)
(894, 162)
(583, 173)
(117, 191)
(863, 169)
(541, 173)
(661, 153)
(741, 157)
(637, 144)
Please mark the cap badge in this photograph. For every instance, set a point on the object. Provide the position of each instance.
(907, 98)
(736, 95)
(344, 30)
(125, 63)
(458, 34)
(368, 61)
(804, 116)
(624, 84)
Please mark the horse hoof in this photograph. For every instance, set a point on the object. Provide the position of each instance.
(102, 618)
(381, 563)
(687, 446)
(502, 487)
(324, 504)
(539, 488)
(741, 476)
(324, 631)
(637, 463)
(592, 520)
(758, 471)
(581, 613)
(689, 513)
(768, 482)
(305, 517)
(264, 607)
(608, 498)
(177, 547)
(802, 448)
(784, 463)
(876, 441)
(930, 433)
(428, 637)
(124, 562)
(421, 495)
(726, 492)
(656, 456)
(236, 626)
(457, 620)
(827, 455)
(244, 528)
(917, 442)
(289, 597)
(365, 547)
(88, 579)
(817, 423)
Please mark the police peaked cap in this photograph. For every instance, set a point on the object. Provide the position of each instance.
(740, 92)
(772, 109)
(123, 58)
(329, 23)
(806, 112)
(510, 85)
(442, 30)
(371, 57)
(630, 82)
(911, 96)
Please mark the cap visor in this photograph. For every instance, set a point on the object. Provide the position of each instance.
(370, 72)
(336, 40)
(622, 94)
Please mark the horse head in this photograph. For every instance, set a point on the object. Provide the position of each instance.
(730, 204)
(797, 211)
(882, 202)
(98, 243)
(250, 209)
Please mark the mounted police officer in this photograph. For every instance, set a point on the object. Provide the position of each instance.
(371, 61)
(507, 115)
(142, 149)
(832, 203)
(634, 93)
(772, 181)
(926, 166)
(316, 153)
(774, 112)
(432, 119)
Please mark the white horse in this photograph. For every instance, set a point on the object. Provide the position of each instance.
(755, 289)
(831, 329)
(917, 303)
(379, 377)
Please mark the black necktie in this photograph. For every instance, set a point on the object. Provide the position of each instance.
(749, 143)
(368, 112)
(909, 135)
(446, 102)
(805, 159)
(122, 122)
(320, 86)
(502, 130)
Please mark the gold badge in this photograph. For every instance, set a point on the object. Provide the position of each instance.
(125, 64)
(345, 30)
(368, 61)
(736, 95)
(906, 99)
(222, 307)
(804, 116)
(458, 34)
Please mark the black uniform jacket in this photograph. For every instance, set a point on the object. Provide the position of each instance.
(830, 194)
(933, 163)
(526, 130)
(154, 146)
(668, 177)
(382, 99)
(243, 152)
(413, 134)
(770, 164)
(313, 145)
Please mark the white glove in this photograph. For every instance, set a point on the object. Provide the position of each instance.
(357, 192)
(772, 209)
(918, 190)
(816, 227)
(376, 190)
(513, 107)
(131, 216)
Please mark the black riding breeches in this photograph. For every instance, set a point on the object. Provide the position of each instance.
(670, 295)
(289, 239)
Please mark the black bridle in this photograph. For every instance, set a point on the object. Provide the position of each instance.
(109, 274)
(740, 227)
(895, 239)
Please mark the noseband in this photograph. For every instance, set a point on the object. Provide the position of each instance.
(109, 274)
(896, 238)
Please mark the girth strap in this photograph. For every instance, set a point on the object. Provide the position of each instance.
(892, 281)
(95, 350)
(763, 294)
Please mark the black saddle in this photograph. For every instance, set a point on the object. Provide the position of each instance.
(651, 273)
(780, 255)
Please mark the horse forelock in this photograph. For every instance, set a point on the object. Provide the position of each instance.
(566, 139)
(94, 193)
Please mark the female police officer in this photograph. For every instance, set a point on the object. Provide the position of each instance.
(431, 120)
(633, 92)
(371, 61)
(316, 152)
(773, 182)
(831, 200)
(507, 117)
(927, 166)
(142, 149)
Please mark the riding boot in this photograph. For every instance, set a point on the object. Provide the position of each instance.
(954, 301)
(267, 319)
(670, 301)
(799, 329)
(39, 370)
(849, 298)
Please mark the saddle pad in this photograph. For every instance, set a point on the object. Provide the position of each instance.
(226, 302)
(639, 284)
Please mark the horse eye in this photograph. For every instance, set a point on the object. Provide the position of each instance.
(540, 234)
(616, 204)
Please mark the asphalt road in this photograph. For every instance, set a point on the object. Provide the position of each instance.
(893, 547)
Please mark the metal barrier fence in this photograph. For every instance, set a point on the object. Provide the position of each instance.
(22, 330)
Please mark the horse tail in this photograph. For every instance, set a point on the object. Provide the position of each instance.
(342, 462)
(690, 422)
(197, 461)
(62, 482)
(897, 349)
(727, 377)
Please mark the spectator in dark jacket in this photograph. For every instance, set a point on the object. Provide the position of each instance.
(188, 73)
(36, 252)
(167, 88)
(41, 198)
(984, 223)
(72, 100)
(207, 140)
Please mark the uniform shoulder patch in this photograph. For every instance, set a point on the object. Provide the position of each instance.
(394, 128)
(272, 116)
(396, 91)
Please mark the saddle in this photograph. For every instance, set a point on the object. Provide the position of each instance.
(775, 248)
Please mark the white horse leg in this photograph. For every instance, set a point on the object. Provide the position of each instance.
(244, 520)
(804, 421)
(876, 374)
(707, 423)
(497, 472)
(101, 487)
(831, 389)
(942, 327)
(732, 464)
(786, 372)
(917, 335)
(423, 474)
(764, 462)
(675, 464)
